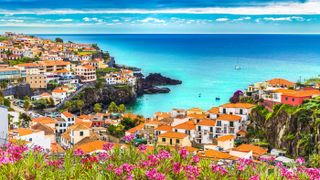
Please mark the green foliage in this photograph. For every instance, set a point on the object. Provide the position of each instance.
(67, 105)
(22, 60)
(314, 160)
(122, 108)
(79, 105)
(103, 71)
(40, 104)
(3, 38)
(97, 108)
(25, 120)
(4, 84)
(117, 131)
(52, 85)
(113, 108)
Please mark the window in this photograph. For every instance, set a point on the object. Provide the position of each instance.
(292, 99)
(81, 133)
(176, 130)
(224, 111)
(163, 139)
(211, 129)
(219, 123)
(177, 141)
(199, 128)
(30, 139)
(286, 98)
(231, 124)
(241, 111)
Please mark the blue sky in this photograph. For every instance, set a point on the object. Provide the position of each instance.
(160, 16)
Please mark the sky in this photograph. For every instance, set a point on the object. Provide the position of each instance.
(160, 16)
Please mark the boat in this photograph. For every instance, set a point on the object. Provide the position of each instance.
(199, 95)
(237, 67)
(217, 98)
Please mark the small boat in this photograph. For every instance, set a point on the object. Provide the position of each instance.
(217, 98)
(237, 67)
(199, 95)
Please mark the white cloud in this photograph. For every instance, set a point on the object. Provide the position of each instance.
(292, 18)
(222, 19)
(64, 20)
(309, 7)
(87, 19)
(152, 20)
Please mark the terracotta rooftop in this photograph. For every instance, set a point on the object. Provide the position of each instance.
(238, 105)
(134, 129)
(229, 117)
(280, 82)
(214, 110)
(44, 120)
(189, 125)
(225, 138)
(23, 131)
(207, 122)
(67, 114)
(257, 150)
(91, 146)
(216, 155)
(42, 127)
(176, 135)
(164, 128)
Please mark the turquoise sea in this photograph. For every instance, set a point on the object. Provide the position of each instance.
(206, 63)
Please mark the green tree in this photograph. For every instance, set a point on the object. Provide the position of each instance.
(97, 108)
(50, 101)
(314, 160)
(67, 105)
(122, 108)
(25, 120)
(113, 108)
(6, 102)
(26, 105)
(80, 104)
(4, 84)
(59, 40)
(40, 104)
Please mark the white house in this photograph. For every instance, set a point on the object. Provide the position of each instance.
(188, 128)
(240, 109)
(33, 137)
(226, 142)
(227, 124)
(205, 131)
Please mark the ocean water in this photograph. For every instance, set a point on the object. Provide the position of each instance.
(206, 63)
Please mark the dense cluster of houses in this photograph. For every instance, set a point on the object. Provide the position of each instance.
(69, 65)
(281, 91)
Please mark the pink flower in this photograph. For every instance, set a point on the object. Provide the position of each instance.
(192, 172)
(37, 149)
(142, 147)
(127, 168)
(176, 167)
(300, 160)
(128, 138)
(195, 159)
(216, 168)
(118, 171)
(153, 174)
(163, 154)
(256, 177)
(107, 146)
(110, 167)
(56, 163)
(103, 156)
(78, 152)
(183, 152)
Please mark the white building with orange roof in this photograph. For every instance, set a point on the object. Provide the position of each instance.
(51, 122)
(213, 112)
(161, 115)
(52, 66)
(86, 73)
(175, 112)
(30, 68)
(226, 142)
(69, 118)
(205, 131)
(74, 134)
(135, 130)
(240, 109)
(248, 151)
(49, 132)
(59, 95)
(195, 111)
(163, 129)
(227, 124)
(173, 139)
(33, 137)
(188, 128)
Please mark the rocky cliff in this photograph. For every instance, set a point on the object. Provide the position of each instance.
(294, 129)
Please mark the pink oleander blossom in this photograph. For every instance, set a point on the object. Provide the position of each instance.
(107, 146)
(118, 171)
(192, 172)
(127, 168)
(37, 149)
(78, 152)
(102, 156)
(56, 163)
(142, 147)
(128, 138)
(153, 174)
(176, 167)
(183, 152)
(195, 159)
(300, 160)
(163, 154)
(256, 177)
(218, 169)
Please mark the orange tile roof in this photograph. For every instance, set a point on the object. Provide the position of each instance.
(134, 129)
(23, 131)
(45, 94)
(195, 110)
(164, 128)
(54, 63)
(162, 114)
(88, 67)
(78, 126)
(28, 65)
(280, 82)
(238, 105)
(229, 117)
(84, 116)
(176, 135)
(59, 91)
(242, 132)
(67, 114)
(257, 150)
(225, 138)
(87, 124)
(207, 122)
(91, 146)
(154, 122)
(189, 125)
(216, 155)
(214, 110)
(56, 148)
(62, 71)
(302, 93)
(44, 120)
(8, 69)
(197, 116)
